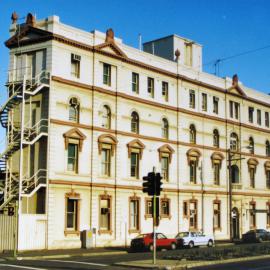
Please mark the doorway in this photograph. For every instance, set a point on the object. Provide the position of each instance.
(235, 223)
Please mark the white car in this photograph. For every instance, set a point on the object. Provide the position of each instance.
(192, 239)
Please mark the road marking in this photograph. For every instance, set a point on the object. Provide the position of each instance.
(86, 263)
(22, 267)
(260, 268)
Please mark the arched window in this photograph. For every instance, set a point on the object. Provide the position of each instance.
(74, 109)
(215, 138)
(267, 148)
(234, 142)
(134, 122)
(192, 134)
(251, 145)
(235, 174)
(165, 128)
(106, 117)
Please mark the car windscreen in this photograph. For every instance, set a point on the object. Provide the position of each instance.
(182, 234)
(140, 236)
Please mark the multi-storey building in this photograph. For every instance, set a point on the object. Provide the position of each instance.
(88, 116)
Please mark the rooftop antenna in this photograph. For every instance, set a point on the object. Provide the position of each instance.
(140, 41)
(153, 48)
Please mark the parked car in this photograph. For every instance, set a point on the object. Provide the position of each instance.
(258, 235)
(145, 242)
(192, 239)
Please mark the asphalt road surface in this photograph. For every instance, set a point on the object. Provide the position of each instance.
(106, 262)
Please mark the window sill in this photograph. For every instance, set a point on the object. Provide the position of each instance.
(166, 216)
(217, 229)
(67, 232)
(134, 231)
(147, 216)
(105, 232)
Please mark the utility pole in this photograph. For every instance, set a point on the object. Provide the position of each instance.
(230, 192)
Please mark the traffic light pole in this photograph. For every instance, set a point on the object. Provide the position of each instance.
(154, 231)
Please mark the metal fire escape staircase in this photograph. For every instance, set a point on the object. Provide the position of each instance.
(10, 181)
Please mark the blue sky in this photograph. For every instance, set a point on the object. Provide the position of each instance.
(224, 28)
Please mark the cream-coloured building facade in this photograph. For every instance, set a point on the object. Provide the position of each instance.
(98, 115)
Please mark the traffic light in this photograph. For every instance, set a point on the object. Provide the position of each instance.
(149, 184)
(158, 184)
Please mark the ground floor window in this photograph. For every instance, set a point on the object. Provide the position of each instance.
(72, 212)
(193, 215)
(105, 214)
(252, 215)
(134, 212)
(148, 207)
(165, 208)
(216, 216)
(268, 215)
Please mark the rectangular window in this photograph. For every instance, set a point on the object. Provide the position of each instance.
(268, 215)
(236, 110)
(135, 82)
(165, 208)
(215, 105)
(185, 208)
(252, 215)
(72, 157)
(75, 65)
(192, 99)
(216, 174)
(188, 54)
(150, 87)
(165, 91)
(193, 215)
(148, 207)
(259, 117)
(204, 102)
(165, 168)
(250, 114)
(231, 109)
(252, 177)
(134, 215)
(192, 171)
(216, 220)
(105, 214)
(268, 179)
(107, 74)
(134, 165)
(267, 119)
(106, 162)
(72, 214)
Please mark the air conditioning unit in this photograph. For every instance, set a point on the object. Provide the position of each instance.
(75, 57)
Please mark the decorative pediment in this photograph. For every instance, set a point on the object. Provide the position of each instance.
(109, 45)
(267, 165)
(27, 34)
(135, 145)
(107, 139)
(235, 88)
(167, 150)
(252, 163)
(74, 135)
(193, 154)
(217, 156)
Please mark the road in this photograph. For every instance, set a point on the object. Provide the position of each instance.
(106, 262)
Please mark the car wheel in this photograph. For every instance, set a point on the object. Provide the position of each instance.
(260, 239)
(151, 247)
(191, 244)
(173, 246)
(210, 243)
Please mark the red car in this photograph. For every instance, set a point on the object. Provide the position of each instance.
(145, 242)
